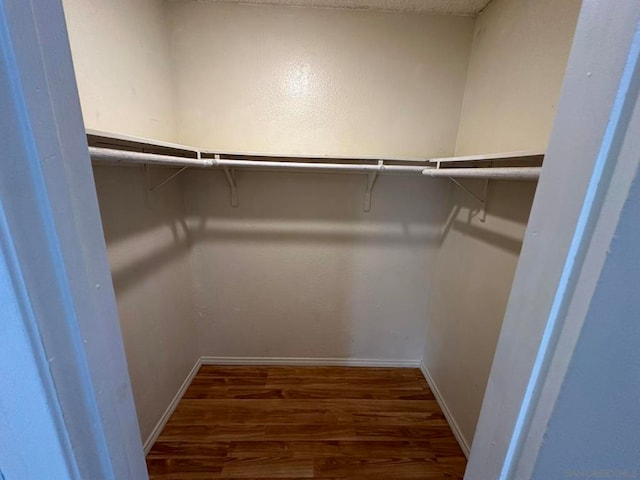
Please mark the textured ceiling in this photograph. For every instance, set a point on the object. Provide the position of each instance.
(438, 7)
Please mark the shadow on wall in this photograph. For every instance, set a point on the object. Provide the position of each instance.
(316, 208)
(144, 232)
(148, 246)
(474, 271)
(300, 270)
(508, 205)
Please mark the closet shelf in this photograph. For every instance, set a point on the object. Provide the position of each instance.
(115, 148)
(526, 155)
(99, 138)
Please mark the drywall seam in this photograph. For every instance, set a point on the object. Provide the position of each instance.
(464, 444)
(155, 433)
(333, 362)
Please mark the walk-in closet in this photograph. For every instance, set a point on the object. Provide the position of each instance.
(313, 212)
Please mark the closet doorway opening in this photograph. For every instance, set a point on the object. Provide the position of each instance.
(317, 219)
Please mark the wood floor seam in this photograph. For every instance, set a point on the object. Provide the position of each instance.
(265, 422)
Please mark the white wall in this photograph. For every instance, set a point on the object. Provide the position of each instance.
(471, 286)
(518, 60)
(298, 270)
(322, 81)
(27, 394)
(121, 57)
(599, 392)
(298, 255)
(148, 250)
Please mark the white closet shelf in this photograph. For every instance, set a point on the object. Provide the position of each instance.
(117, 148)
(117, 139)
(527, 155)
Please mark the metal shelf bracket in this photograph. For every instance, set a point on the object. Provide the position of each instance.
(147, 172)
(371, 181)
(166, 180)
(481, 200)
(230, 173)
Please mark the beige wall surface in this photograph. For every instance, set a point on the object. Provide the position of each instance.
(299, 270)
(472, 280)
(320, 81)
(148, 250)
(517, 65)
(520, 52)
(121, 57)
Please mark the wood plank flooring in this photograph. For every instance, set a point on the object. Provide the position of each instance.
(307, 422)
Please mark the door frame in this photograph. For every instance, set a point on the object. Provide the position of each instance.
(59, 274)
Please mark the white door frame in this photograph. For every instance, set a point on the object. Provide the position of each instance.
(56, 284)
(55, 273)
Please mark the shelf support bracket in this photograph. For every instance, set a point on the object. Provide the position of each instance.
(371, 181)
(147, 176)
(166, 180)
(480, 200)
(233, 187)
(483, 216)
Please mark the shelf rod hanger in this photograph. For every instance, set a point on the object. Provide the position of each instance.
(480, 200)
(168, 179)
(231, 179)
(371, 181)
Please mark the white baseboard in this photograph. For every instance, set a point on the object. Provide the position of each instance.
(155, 433)
(330, 362)
(464, 445)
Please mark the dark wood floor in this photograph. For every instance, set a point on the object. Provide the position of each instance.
(307, 422)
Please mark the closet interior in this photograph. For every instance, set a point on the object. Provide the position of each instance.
(320, 184)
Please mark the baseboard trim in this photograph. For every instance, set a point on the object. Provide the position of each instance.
(464, 445)
(302, 361)
(155, 433)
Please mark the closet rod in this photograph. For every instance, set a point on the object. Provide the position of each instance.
(355, 167)
(123, 156)
(498, 173)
